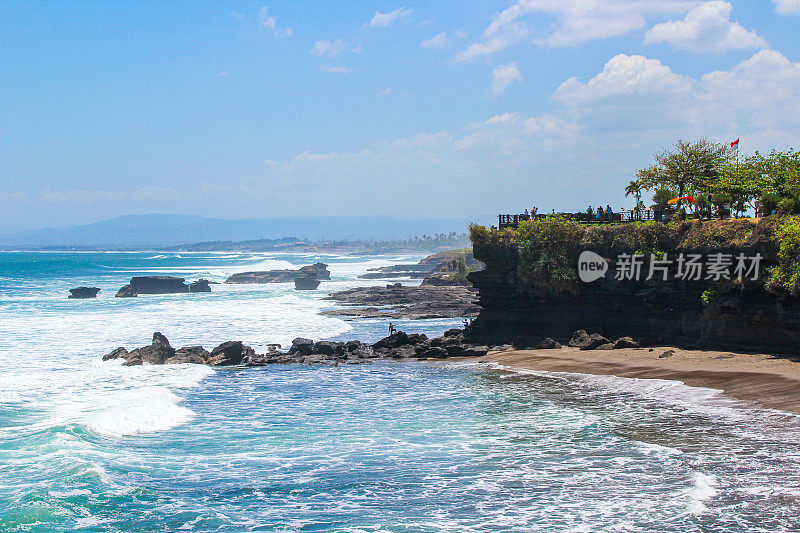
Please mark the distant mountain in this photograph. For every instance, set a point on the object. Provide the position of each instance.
(131, 231)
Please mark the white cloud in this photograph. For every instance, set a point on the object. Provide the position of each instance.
(442, 40)
(762, 92)
(381, 20)
(334, 69)
(787, 7)
(623, 75)
(332, 48)
(267, 21)
(576, 21)
(707, 27)
(503, 76)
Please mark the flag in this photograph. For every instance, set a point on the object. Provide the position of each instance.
(735, 144)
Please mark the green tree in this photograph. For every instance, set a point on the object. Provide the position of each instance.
(690, 168)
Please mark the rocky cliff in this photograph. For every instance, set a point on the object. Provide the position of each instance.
(531, 289)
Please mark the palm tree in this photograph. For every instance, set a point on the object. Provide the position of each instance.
(635, 188)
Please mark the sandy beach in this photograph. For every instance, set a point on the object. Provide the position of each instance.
(767, 380)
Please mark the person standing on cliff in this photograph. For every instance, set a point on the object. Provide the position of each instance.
(391, 329)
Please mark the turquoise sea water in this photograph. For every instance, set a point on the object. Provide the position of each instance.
(87, 445)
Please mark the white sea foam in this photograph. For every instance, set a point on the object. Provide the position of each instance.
(703, 489)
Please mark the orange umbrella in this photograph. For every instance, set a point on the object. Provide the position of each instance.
(690, 199)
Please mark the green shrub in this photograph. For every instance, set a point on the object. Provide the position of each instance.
(786, 206)
(785, 278)
(548, 252)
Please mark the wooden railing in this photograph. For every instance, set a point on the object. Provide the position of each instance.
(512, 221)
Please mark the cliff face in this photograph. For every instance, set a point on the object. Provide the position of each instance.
(719, 314)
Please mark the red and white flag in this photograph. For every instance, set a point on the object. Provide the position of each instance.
(735, 144)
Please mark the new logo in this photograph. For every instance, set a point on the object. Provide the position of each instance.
(591, 266)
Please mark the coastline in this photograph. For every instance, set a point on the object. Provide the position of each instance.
(765, 380)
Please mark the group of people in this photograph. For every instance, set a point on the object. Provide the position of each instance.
(534, 210)
(599, 214)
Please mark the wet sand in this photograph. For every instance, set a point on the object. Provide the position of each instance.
(767, 380)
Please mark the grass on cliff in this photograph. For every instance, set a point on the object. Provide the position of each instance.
(547, 250)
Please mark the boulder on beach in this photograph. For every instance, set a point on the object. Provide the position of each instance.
(548, 344)
(584, 341)
(625, 342)
(83, 292)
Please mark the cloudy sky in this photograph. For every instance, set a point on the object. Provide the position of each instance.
(251, 109)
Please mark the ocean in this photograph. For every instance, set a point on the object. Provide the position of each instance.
(87, 445)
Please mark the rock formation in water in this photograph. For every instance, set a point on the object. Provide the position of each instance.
(306, 283)
(83, 292)
(443, 268)
(318, 271)
(399, 345)
(161, 285)
(397, 301)
(201, 285)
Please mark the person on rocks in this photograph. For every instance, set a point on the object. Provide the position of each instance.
(600, 212)
(392, 329)
(590, 212)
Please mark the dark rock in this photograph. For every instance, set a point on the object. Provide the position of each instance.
(453, 332)
(352, 346)
(578, 338)
(548, 344)
(155, 354)
(189, 354)
(443, 279)
(625, 342)
(135, 360)
(667, 353)
(318, 271)
(83, 292)
(158, 285)
(201, 285)
(229, 353)
(395, 340)
(582, 340)
(302, 346)
(475, 351)
(306, 283)
(402, 352)
(329, 348)
(434, 352)
(414, 303)
(607, 346)
(126, 292)
(271, 357)
(116, 354)
(502, 348)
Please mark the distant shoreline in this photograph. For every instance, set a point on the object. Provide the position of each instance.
(766, 380)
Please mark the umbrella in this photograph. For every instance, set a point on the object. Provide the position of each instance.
(690, 199)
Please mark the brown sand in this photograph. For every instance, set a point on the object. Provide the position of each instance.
(767, 380)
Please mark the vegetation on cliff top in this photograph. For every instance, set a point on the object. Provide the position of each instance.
(547, 250)
(720, 180)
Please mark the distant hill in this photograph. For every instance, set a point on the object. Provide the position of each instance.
(158, 230)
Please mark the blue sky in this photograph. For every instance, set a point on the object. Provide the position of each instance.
(414, 109)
